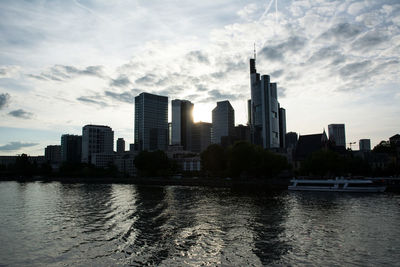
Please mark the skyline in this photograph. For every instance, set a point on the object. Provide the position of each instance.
(65, 65)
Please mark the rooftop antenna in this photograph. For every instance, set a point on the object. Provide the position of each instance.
(254, 51)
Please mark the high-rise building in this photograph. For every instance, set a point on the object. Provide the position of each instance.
(182, 121)
(201, 136)
(242, 133)
(264, 109)
(365, 144)
(96, 139)
(282, 127)
(52, 153)
(291, 139)
(71, 148)
(337, 134)
(151, 122)
(223, 121)
(120, 145)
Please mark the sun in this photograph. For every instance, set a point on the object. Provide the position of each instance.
(202, 112)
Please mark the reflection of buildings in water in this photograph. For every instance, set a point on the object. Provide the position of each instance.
(96, 218)
(311, 220)
(269, 216)
(161, 216)
(220, 234)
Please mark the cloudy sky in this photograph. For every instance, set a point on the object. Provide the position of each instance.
(64, 64)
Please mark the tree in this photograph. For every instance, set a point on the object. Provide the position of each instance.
(214, 160)
(153, 163)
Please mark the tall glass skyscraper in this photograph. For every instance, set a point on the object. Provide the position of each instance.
(223, 121)
(182, 123)
(264, 109)
(151, 122)
(337, 134)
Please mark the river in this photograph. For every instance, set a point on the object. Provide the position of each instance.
(53, 224)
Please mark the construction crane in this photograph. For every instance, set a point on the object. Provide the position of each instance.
(351, 143)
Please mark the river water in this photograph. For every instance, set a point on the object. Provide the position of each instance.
(54, 224)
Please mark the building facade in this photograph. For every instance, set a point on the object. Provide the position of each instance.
(364, 145)
(52, 153)
(337, 134)
(282, 128)
(71, 148)
(223, 121)
(120, 145)
(96, 139)
(151, 122)
(264, 109)
(201, 136)
(291, 139)
(182, 123)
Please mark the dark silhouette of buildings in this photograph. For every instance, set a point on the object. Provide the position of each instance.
(120, 145)
(364, 145)
(151, 122)
(291, 139)
(264, 110)
(71, 148)
(337, 134)
(201, 136)
(282, 128)
(223, 121)
(96, 139)
(52, 154)
(182, 123)
(307, 144)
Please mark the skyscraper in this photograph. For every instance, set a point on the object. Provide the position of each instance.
(365, 145)
(282, 127)
(71, 148)
(182, 122)
(337, 134)
(151, 122)
(52, 153)
(201, 136)
(120, 145)
(223, 121)
(96, 139)
(264, 109)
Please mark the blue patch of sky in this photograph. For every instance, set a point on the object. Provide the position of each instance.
(10, 134)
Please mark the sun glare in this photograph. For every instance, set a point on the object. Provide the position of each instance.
(202, 112)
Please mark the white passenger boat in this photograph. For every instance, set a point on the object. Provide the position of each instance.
(336, 185)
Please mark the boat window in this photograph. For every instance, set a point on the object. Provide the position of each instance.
(315, 184)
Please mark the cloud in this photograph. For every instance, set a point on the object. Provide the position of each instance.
(16, 146)
(277, 73)
(277, 52)
(20, 113)
(92, 100)
(126, 97)
(369, 40)
(8, 71)
(197, 56)
(355, 8)
(342, 31)
(281, 92)
(352, 69)
(201, 88)
(121, 81)
(216, 95)
(4, 100)
(147, 79)
(62, 72)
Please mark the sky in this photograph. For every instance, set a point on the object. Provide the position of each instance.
(65, 64)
